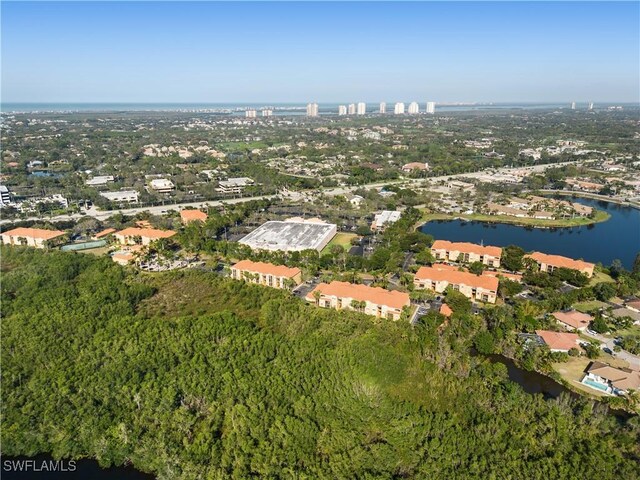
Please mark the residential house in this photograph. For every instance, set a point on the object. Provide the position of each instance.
(143, 236)
(32, 237)
(439, 277)
(276, 276)
(189, 216)
(415, 166)
(559, 341)
(617, 381)
(370, 300)
(548, 263)
(467, 252)
(162, 185)
(573, 320)
(104, 233)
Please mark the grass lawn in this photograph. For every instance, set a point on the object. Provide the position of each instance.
(588, 306)
(600, 216)
(342, 239)
(600, 277)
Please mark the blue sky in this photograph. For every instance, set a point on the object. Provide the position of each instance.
(327, 52)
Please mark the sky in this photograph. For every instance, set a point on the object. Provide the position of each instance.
(324, 52)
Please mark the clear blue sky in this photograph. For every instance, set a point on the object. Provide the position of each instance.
(297, 52)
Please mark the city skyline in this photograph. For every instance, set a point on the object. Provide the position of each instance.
(201, 53)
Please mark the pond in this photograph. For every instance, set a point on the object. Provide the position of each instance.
(617, 238)
(44, 467)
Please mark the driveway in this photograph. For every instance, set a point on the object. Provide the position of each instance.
(633, 360)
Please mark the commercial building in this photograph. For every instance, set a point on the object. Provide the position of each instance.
(351, 110)
(439, 277)
(385, 218)
(413, 108)
(100, 180)
(362, 108)
(122, 196)
(312, 110)
(291, 236)
(398, 109)
(188, 216)
(573, 320)
(162, 185)
(466, 252)
(141, 236)
(370, 300)
(559, 341)
(616, 381)
(383, 107)
(234, 185)
(32, 237)
(276, 276)
(342, 110)
(431, 107)
(548, 263)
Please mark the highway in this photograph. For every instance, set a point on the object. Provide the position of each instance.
(162, 209)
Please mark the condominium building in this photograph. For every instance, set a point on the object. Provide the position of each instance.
(439, 277)
(398, 109)
(431, 107)
(370, 300)
(352, 109)
(31, 237)
(548, 263)
(276, 276)
(141, 236)
(573, 105)
(466, 252)
(267, 112)
(342, 110)
(251, 113)
(362, 108)
(383, 107)
(414, 108)
(312, 109)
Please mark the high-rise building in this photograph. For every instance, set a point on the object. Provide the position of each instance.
(383, 107)
(431, 107)
(590, 105)
(414, 108)
(267, 112)
(250, 113)
(342, 110)
(399, 108)
(352, 109)
(312, 109)
(573, 105)
(362, 108)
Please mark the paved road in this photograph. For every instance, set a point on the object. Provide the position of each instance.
(161, 209)
(634, 360)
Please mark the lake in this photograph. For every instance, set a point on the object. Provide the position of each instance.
(617, 238)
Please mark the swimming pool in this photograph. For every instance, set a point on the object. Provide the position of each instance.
(596, 385)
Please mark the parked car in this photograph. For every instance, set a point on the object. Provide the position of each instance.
(607, 350)
(591, 332)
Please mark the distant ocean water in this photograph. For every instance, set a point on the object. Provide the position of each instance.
(279, 108)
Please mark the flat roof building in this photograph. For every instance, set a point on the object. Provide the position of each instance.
(548, 263)
(384, 219)
(122, 196)
(276, 276)
(234, 185)
(162, 185)
(370, 300)
(439, 277)
(99, 180)
(467, 252)
(290, 236)
(31, 237)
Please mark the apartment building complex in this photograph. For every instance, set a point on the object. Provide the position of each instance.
(548, 263)
(276, 276)
(439, 277)
(467, 252)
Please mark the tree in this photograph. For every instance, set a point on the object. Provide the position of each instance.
(604, 291)
(484, 342)
(477, 268)
(599, 324)
(512, 258)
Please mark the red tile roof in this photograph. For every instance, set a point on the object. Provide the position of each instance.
(104, 233)
(376, 295)
(446, 310)
(39, 233)
(573, 318)
(191, 215)
(466, 247)
(559, 340)
(439, 274)
(267, 268)
(560, 261)
(146, 233)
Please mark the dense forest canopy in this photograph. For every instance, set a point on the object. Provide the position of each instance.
(189, 375)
